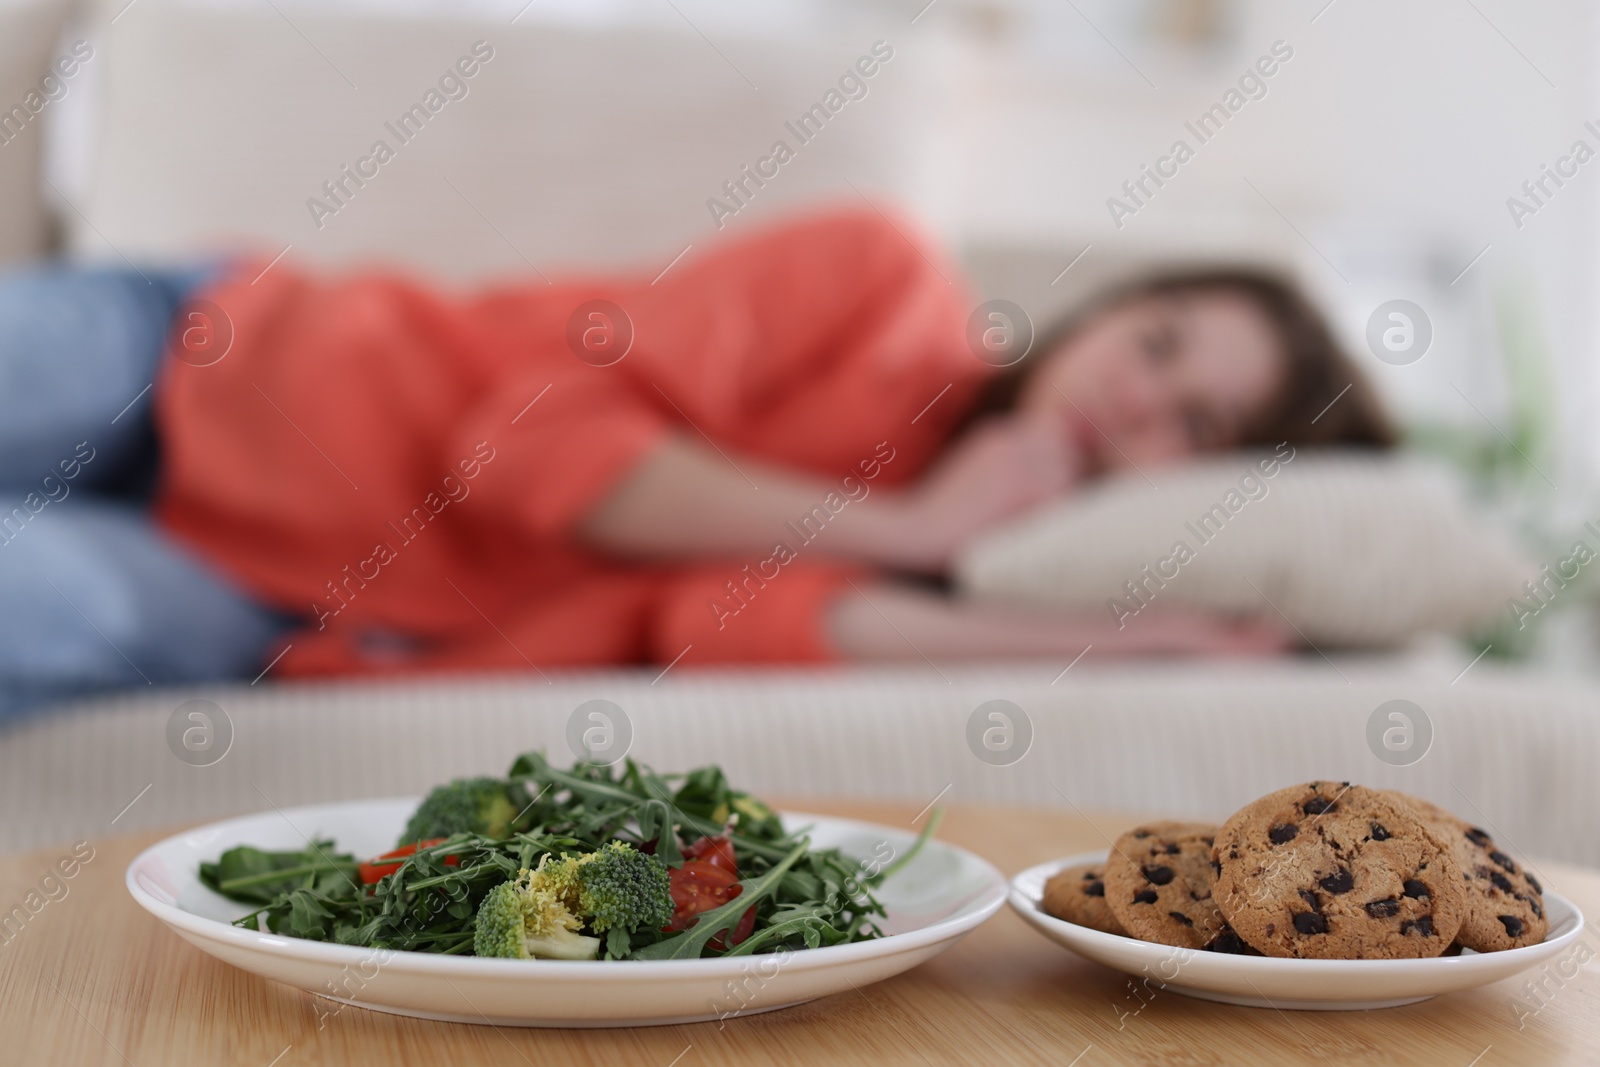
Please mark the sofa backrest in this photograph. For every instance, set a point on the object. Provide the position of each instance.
(28, 88)
(252, 125)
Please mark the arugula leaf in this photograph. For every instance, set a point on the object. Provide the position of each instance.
(691, 942)
(588, 791)
(255, 876)
(900, 862)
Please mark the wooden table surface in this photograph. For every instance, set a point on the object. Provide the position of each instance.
(92, 979)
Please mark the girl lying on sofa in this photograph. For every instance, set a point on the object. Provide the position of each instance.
(769, 454)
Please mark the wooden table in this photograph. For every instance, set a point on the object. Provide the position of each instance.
(92, 979)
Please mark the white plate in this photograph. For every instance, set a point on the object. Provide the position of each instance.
(932, 902)
(1265, 982)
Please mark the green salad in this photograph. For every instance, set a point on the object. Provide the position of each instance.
(588, 863)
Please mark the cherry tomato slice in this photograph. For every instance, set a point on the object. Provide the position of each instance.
(374, 870)
(742, 930)
(699, 886)
(717, 851)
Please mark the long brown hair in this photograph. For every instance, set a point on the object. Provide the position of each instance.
(1325, 399)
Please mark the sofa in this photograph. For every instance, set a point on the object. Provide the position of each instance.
(1510, 750)
(491, 188)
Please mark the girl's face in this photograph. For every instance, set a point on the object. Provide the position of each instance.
(1160, 378)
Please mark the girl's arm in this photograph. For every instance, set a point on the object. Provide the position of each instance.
(687, 499)
(887, 621)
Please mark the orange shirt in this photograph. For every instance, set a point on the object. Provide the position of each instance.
(404, 467)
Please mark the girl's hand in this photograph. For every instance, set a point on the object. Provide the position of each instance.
(1002, 468)
(888, 621)
(1185, 632)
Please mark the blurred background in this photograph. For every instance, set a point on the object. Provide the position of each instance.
(1378, 162)
(1395, 152)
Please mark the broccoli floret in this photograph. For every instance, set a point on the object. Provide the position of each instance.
(617, 887)
(467, 805)
(616, 891)
(524, 919)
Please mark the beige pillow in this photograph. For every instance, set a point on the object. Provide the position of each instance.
(28, 30)
(1354, 550)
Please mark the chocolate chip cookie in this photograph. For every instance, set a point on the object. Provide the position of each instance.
(1232, 944)
(1331, 870)
(1078, 895)
(1158, 884)
(1505, 906)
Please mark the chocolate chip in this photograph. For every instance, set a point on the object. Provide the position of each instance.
(1272, 928)
(1145, 896)
(1095, 888)
(1512, 924)
(1537, 888)
(1311, 898)
(1505, 861)
(1158, 875)
(1415, 889)
(1141, 834)
(1501, 882)
(1310, 922)
(1538, 909)
(1209, 840)
(1284, 831)
(1316, 806)
(1384, 909)
(1423, 926)
(1227, 941)
(1181, 917)
(1172, 850)
(1217, 867)
(1478, 837)
(1380, 832)
(1340, 881)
